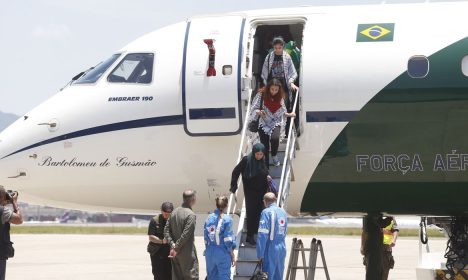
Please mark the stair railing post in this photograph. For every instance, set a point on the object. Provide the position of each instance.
(286, 161)
(232, 204)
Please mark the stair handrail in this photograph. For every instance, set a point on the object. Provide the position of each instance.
(243, 147)
(290, 146)
(242, 150)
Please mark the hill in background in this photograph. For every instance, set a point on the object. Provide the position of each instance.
(6, 119)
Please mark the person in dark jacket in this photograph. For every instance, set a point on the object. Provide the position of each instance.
(157, 246)
(255, 180)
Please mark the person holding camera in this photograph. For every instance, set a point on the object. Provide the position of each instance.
(7, 216)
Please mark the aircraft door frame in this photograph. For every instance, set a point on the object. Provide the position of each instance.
(212, 104)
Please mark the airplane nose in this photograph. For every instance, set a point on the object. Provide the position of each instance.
(12, 166)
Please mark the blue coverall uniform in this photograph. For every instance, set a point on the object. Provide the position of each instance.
(271, 246)
(219, 241)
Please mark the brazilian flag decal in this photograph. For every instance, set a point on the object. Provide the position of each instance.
(375, 32)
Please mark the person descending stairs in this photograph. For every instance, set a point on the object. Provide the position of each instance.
(280, 176)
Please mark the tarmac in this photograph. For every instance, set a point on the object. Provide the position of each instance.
(102, 257)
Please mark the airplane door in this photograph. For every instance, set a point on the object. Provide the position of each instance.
(211, 76)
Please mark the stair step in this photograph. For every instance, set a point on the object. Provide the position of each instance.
(247, 262)
(254, 261)
(247, 245)
(242, 277)
(246, 267)
(247, 253)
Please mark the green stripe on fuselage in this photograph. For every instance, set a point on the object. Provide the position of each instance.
(424, 119)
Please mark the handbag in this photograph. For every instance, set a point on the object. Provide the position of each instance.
(259, 275)
(253, 125)
(272, 187)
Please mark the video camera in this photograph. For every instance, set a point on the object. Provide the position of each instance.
(9, 195)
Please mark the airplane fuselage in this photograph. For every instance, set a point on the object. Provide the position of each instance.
(384, 106)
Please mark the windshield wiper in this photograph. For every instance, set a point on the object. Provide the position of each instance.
(76, 77)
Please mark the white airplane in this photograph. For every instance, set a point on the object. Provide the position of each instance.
(383, 115)
(383, 92)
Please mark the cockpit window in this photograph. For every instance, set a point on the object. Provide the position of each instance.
(96, 72)
(135, 68)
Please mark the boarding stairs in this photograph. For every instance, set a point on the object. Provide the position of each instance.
(283, 175)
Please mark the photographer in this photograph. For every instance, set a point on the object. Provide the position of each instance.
(7, 216)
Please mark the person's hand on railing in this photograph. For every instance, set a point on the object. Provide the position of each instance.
(294, 87)
(290, 115)
(233, 259)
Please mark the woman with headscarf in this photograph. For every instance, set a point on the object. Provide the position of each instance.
(255, 181)
(269, 107)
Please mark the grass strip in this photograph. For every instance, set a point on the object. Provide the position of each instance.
(143, 230)
(354, 231)
(77, 230)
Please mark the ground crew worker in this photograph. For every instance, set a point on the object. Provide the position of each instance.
(179, 232)
(219, 242)
(271, 246)
(388, 236)
(157, 246)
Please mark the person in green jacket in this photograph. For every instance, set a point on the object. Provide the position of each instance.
(179, 233)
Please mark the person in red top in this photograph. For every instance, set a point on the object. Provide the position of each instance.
(271, 109)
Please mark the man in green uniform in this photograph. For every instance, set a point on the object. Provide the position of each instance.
(179, 233)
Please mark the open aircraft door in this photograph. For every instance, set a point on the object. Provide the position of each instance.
(211, 76)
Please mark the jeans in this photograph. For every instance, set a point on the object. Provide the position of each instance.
(266, 140)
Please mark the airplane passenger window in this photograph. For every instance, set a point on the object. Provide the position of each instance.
(135, 68)
(96, 72)
(465, 66)
(418, 66)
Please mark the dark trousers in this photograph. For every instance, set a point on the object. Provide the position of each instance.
(254, 207)
(266, 140)
(161, 266)
(2, 269)
(388, 263)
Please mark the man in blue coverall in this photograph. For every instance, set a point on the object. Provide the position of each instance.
(271, 246)
(220, 242)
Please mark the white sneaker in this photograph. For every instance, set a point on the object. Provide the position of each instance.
(276, 161)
